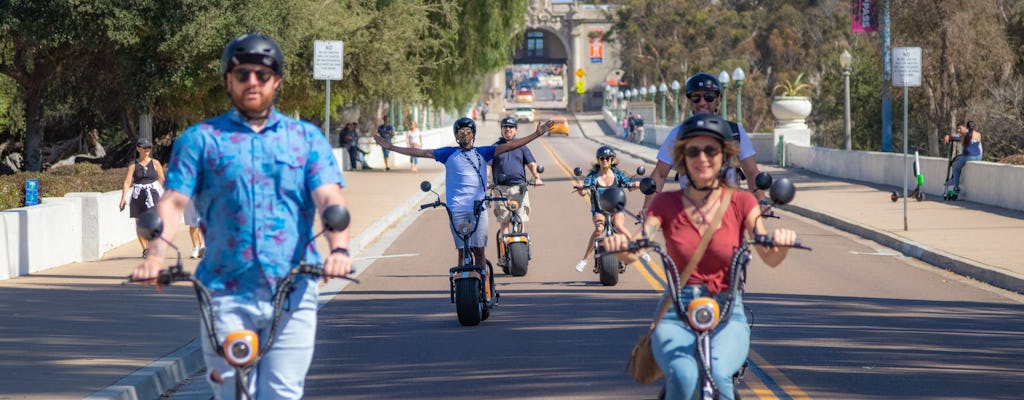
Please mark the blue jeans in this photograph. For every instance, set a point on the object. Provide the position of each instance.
(958, 165)
(674, 344)
(281, 373)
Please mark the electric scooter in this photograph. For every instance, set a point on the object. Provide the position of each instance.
(917, 194)
(949, 192)
(514, 247)
(607, 268)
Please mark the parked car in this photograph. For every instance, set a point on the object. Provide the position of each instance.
(524, 114)
(560, 126)
(524, 95)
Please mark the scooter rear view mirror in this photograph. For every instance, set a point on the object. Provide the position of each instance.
(641, 170)
(647, 186)
(502, 179)
(425, 186)
(613, 200)
(577, 171)
(335, 218)
(763, 181)
(540, 169)
(149, 225)
(782, 191)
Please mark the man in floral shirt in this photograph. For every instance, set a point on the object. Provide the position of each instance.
(257, 178)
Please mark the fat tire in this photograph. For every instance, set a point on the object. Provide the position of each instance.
(608, 270)
(468, 304)
(518, 258)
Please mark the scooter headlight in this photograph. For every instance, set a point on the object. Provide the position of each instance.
(702, 314)
(241, 348)
(513, 205)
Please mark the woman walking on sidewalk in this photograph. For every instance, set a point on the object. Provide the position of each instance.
(145, 183)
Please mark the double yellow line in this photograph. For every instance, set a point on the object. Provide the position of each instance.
(654, 273)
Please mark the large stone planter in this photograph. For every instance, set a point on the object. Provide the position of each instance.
(791, 111)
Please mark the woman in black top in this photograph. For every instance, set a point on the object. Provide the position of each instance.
(144, 183)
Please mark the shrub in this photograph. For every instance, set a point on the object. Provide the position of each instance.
(1016, 159)
(81, 177)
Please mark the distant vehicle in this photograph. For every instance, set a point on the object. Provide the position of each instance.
(560, 126)
(530, 83)
(524, 95)
(524, 114)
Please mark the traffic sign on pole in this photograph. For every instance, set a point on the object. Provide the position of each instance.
(328, 59)
(580, 73)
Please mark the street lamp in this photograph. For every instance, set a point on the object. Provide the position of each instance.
(653, 91)
(664, 91)
(723, 78)
(619, 96)
(845, 60)
(643, 92)
(738, 76)
(675, 102)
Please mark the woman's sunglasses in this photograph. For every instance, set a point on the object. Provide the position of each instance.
(605, 158)
(242, 74)
(708, 97)
(709, 151)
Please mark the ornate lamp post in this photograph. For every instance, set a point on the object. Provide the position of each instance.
(619, 96)
(653, 91)
(675, 102)
(738, 76)
(723, 77)
(643, 93)
(664, 91)
(845, 60)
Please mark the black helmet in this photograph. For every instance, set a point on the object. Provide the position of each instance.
(703, 81)
(464, 122)
(605, 151)
(510, 121)
(709, 125)
(252, 48)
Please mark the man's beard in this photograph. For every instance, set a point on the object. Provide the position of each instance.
(259, 111)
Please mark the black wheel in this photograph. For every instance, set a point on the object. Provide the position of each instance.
(894, 197)
(609, 270)
(468, 302)
(518, 258)
(919, 196)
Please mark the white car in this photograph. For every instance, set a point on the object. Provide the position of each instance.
(524, 114)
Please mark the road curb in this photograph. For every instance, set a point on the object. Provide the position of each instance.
(153, 380)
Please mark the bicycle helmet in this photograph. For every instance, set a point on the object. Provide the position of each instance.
(605, 151)
(464, 122)
(709, 125)
(509, 122)
(703, 81)
(252, 48)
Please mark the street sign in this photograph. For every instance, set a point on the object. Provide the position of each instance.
(581, 87)
(580, 73)
(328, 59)
(906, 66)
(31, 192)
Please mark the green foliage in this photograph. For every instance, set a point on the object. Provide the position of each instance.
(57, 182)
(792, 88)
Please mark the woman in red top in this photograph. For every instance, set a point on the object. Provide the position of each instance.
(704, 143)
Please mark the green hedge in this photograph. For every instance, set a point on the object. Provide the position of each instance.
(57, 182)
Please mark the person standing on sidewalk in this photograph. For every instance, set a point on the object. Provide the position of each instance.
(194, 230)
(144, 182)
(970, 142)
(466, 176)
(258, 179)
(704, 92)
(386, 131)
(513, 165)
(415, 138)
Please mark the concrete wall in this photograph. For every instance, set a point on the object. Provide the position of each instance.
(433, 138)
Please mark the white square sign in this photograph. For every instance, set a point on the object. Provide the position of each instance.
(328, 59)
(906, 66)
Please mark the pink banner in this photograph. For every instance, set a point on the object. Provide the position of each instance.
(865, 16)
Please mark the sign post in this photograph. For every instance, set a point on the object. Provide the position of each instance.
(906, 72)
(328, 64)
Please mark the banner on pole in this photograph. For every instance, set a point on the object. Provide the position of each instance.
(865, 16)
(596, 46)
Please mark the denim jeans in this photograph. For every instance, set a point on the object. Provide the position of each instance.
(281, 373)
(674, 344)
(958, 166)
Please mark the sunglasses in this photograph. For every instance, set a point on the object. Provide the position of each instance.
(708, 97)
(709, 151)
(242, 74)
(605, 158)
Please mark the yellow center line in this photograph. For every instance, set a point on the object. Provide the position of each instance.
(751, 380)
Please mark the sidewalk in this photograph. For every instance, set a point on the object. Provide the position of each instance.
(974, 240)
(75, 330)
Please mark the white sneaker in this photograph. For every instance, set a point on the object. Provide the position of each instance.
(581, 265)
(195, 252)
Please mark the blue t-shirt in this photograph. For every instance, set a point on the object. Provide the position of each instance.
(465, 175)
(512, 164)
(253, 192)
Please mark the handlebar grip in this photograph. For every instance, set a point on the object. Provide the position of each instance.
(430, 205)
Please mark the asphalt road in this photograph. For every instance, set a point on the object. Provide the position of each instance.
(849, 320)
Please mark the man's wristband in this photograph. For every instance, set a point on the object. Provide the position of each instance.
(340, 250)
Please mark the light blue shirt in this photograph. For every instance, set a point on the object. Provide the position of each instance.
(253, 192)
(665, 151)
(465, 175)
